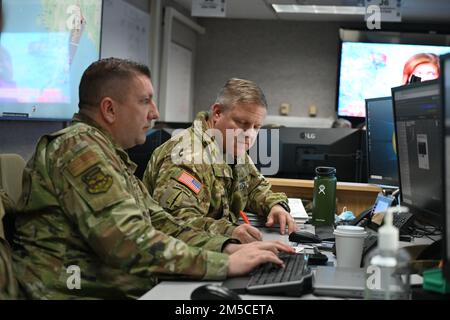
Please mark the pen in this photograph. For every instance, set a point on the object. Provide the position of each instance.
(244, 217)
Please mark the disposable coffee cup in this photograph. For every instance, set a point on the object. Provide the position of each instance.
(349, 245)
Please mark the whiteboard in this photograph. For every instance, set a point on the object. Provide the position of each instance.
(179, 75)
(125, 32)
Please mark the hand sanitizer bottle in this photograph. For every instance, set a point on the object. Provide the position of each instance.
(387, 272)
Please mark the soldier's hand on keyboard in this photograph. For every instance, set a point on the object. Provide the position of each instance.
(245, 260)
(273, 246)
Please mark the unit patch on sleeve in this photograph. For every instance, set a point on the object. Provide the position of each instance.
(96, 181)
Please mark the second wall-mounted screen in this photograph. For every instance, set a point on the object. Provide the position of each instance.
(370, 70)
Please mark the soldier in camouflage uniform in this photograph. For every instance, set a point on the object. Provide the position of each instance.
(8, 284)
(86, 227)
(192, 171)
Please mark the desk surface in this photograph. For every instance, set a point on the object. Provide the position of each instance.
(181, 290)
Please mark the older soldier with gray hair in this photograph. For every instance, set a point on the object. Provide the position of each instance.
(204, 175)
(87, 228)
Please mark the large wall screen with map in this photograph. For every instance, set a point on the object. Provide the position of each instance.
(45, 46)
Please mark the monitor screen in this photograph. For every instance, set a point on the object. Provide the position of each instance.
(445, 90)
(417, 114)
(371, 66)
(381, 151)
(301, 150)
(141, 154)
(45, 46)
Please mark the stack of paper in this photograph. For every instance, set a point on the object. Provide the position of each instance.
(298, 211)
(256, 220)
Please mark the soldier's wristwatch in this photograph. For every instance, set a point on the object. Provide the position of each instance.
(285, 206)
(230, 241)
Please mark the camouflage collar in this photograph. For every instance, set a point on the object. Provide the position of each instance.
(200, 126)
(82, 118)
(79, 117)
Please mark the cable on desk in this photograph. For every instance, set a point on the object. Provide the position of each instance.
(420, 231)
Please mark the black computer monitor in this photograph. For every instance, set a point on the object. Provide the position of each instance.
(172, 125)
(141, 154)
(445, 96)
(418, 120)
(301, 150)
(382, 167)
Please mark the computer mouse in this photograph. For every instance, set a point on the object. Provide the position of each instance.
(214, 292)
(304, 237)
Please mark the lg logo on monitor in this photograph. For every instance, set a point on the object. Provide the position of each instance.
(308, 135)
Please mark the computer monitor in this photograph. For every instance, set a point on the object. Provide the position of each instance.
(301, 150)
(172, 125)
(160, 133)
(141, 154)
(417, 114)
(445, 96)
(382, 167)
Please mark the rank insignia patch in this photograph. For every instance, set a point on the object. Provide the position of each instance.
(243, 186)
(97, 181)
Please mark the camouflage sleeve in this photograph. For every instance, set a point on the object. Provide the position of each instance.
(170, 225)
(261, 199)
(95, 197)
(187, 204)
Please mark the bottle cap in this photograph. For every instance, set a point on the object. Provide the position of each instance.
(325, 171)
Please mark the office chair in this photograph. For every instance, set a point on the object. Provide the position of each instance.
(11, 170)
(2, 214)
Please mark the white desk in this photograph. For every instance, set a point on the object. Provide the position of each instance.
(181, 290)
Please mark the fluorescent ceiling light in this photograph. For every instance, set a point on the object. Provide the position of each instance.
(294, 8)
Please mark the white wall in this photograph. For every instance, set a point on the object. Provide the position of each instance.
(293, 62)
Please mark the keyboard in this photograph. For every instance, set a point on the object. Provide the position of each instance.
(402, 220)
(292, 280)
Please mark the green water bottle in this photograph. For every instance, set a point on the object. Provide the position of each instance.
(324, 199)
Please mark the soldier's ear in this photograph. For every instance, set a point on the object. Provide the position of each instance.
(217, 111)
(108, 110)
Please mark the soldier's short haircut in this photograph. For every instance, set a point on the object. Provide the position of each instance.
(239, 91)
(110, 77)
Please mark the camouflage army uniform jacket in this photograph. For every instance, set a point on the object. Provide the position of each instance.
(87, 228)
(209, 194)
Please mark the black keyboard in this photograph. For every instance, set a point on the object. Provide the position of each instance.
(402, 220)
(292, 280)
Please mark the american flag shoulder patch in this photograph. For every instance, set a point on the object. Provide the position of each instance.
(190, 182)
